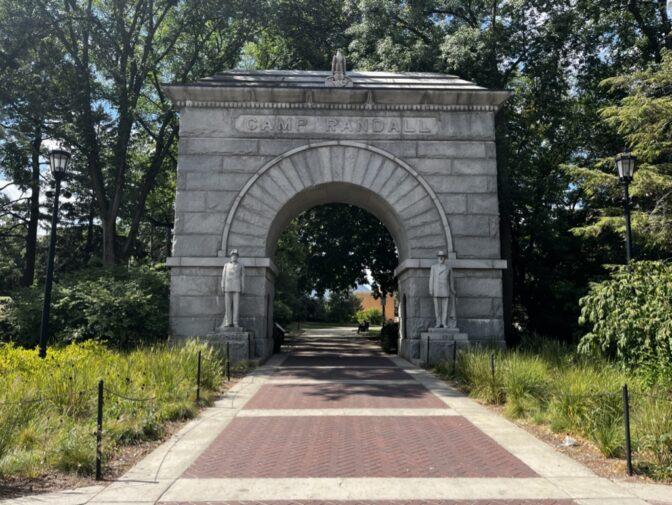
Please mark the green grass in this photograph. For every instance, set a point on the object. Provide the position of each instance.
(552, 385)
(48, 407)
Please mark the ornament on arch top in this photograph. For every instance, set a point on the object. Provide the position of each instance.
(338, 79)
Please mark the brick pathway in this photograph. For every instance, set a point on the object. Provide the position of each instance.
(323, 374)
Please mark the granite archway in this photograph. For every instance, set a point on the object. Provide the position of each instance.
(257, 148)
(337, 172)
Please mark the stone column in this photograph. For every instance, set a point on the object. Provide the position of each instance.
(417, 309)
(256, 309)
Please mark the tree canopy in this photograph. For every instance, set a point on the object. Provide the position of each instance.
(588, 77)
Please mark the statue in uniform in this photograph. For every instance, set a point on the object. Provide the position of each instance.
(232, 285)
(442, 289)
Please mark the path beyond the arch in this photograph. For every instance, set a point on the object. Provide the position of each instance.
(336, 421)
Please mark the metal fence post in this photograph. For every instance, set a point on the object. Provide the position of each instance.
(492, 372)
(228, 361)
(428, 339)
(626, 422)
(198, 378)
(99, 433)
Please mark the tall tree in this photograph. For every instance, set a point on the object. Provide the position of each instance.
(642, 117)
(119, 52)
(29, 101)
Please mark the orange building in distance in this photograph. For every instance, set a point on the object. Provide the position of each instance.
(369, 302)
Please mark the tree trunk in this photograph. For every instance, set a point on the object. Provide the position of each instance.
(163, 146)
(88, 248)
(31, 235)
(383, 302)
(109, 233)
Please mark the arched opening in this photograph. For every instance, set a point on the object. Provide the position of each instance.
(335, 260)
(335, 172)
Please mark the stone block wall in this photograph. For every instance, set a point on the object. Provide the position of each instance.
(217, 158)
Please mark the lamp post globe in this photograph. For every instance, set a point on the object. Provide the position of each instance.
(626, 163)
(59, 160)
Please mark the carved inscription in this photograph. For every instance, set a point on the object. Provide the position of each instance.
(341, 125)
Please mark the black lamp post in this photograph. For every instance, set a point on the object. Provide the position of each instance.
(58, 161)
(626, 163)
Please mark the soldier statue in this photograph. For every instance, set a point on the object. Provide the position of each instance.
(442, 289)
(232, 285)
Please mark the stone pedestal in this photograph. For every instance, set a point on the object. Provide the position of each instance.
(437, 344)
(241, 343)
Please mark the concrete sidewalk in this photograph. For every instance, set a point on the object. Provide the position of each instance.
(335, 420)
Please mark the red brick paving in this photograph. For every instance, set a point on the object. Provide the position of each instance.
(337, 360)
(349, 446)
(379, 502)
(336, 374)
(343, 396)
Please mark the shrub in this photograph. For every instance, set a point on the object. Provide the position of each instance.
(282, 313)
(473, 369)
(527, 382)
(652, 421)
(373, 316)
(389, 337)
(574, 394)
(120, 306)
(56, 432)
(630, 316)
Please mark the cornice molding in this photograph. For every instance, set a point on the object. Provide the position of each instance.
(180, 104)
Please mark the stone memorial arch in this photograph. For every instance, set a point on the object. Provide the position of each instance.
(257, 148)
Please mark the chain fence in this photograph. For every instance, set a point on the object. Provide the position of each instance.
(103, 392)
(645, 418)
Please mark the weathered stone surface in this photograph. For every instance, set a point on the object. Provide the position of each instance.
(210, 305)
(218, 146)
(200, 163)
(478, 288)
(190, 285)
(483, 204)
(191, 326)
(196, 245)
(453, 203)
(427, 172)
(273, 147)
(432, 166)
(215, 181)
(452, 149)
(246, 164)
(200, 222)
(403, 149)
(463, 183)
(475, 307)
(468, 125)
(477, 247)
(474, 167)
(470, 225)
(483, 328)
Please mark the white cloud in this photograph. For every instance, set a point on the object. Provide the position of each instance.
(11, 191)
